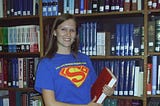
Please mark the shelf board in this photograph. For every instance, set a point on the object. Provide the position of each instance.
(153, 53)
(108, 14)
(153, 96)
(128, 97)
(18, 89)
(21, 54)
(117, 57)
(19, 20)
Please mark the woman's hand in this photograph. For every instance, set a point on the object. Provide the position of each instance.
(92, 103)
(108, 90)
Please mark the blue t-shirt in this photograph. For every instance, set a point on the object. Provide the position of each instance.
(70, 78)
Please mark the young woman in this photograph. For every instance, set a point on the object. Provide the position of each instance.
(65, 76)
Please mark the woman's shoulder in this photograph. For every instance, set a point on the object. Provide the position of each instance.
(44, 60)
(82, 55)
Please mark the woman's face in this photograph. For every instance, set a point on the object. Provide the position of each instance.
(66, 33)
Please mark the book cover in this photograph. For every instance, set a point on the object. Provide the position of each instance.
(105, 77)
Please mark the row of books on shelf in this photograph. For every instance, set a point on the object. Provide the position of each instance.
(18, 72)
(127, 40)
(153, 75)
(18, 8)
(129, 74)
(56, 7)
(122, 102)
(153, 4)
(20, 98)
(153, 35)
(153, 101)
(20, 39)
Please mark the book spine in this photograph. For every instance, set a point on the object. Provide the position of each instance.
(157, 38)
(5, 9)
(50, 8)
(118, 36)
(134, 5)
(5, 71)
(25, 73)
(108, 43)
(158, 80)
(24, 7)
(131, 77)
(127, 5)
(1, 9)
(121, 78)
(158, 76)
(137, 40)
(122, 39)
(60, 7)
(116, 73)
(107, 6)
(126, 40)
(154, 74)
(101, 38)
(95, 6)
(121, 5)
(85, 6)
(81, 6)
(149, 78)
(101, 5)
(31, 72)
(126, 77)
(136, 81)
(131, 37)
(94, 26)
(89, 11)
(20, 72)
(151, 36)
(77, 7)
(149, 4)
(45, 7)
(1, 73)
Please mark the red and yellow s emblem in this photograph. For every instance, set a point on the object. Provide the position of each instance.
(76, 74)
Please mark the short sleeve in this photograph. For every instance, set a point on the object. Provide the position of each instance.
(44, 78)
(92, 70)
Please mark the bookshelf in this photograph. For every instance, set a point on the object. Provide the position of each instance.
(107, 22)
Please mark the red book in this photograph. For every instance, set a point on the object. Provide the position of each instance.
(105, 77)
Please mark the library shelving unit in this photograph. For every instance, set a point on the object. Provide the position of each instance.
(108, 22)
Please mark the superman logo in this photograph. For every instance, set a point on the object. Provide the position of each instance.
(76, 74)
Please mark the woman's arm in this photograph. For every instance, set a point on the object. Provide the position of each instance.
(49, 100)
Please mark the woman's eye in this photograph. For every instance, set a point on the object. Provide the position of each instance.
(72, 30)
(63, 29)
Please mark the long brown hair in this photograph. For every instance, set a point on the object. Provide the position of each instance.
(52, 48)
